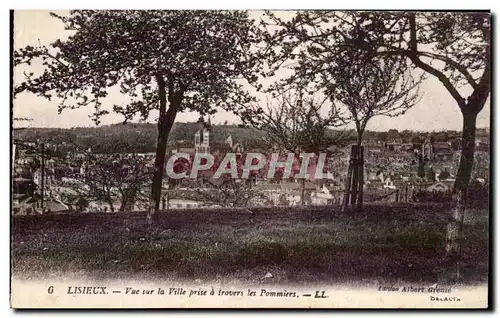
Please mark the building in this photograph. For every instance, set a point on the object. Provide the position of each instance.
(427, 149)
(442, 151)
(202, 139)
(49, 178)
(438, 187)
(322, 197)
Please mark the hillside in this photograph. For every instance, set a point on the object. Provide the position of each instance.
(141, 137)
(381, 243)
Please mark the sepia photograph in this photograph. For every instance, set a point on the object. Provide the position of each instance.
(313, 159)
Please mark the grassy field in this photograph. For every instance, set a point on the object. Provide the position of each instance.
(294, 245)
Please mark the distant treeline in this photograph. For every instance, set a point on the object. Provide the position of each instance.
(141, 137)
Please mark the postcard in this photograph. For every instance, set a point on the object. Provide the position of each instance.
(250, 159)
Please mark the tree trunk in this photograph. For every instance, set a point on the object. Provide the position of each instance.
(468, 148)
(361, 175)
(128, 200)
(454, 228)
(123, 205)
(161, 150)
(355, 177)
(165, 123)
(348, 181)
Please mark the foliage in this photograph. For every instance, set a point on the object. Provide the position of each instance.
(111, 178)
(296, 123)
(227, 192)
(374, 88)
(318, 39)
(453, 47)
(200, 53)
(186, 59)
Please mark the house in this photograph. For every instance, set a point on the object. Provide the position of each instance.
(187, 150)
(23, 204)
(370, 149)
(202, 139)
(187, 198)
(290, 186)
(53, 205)
(442, 151)
(184, 204)
(406, 147)
(438, 187)
(389, 184)
(49, 178)
(394, 146)
(27, 205)
(99, 206)
(293, 198)
(322, 197)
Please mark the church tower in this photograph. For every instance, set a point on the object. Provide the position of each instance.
(197, 142)
(206, 136)
(202, 138)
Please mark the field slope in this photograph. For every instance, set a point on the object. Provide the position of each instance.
(279, 245)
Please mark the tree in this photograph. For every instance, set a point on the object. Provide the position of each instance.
(452, 47)
(227, 192)
(377, 88)
(431, 174)
(168, 61)
(297, 124)
(422, 161)
(367, 87)
(112, 177)
(373, 88)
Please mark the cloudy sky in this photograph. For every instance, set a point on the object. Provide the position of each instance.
(437, 110)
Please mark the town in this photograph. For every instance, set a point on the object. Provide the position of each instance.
(396, 169)
(305, 156)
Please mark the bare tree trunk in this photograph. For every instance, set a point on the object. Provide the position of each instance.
(361, 175)
(165, 123)
(161, 149)
(128, 200)
(355, 176)
(123, 204)
(345, 201)
(454, 229)
(468, 148)
(111, 207)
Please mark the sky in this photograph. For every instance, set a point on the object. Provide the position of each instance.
(436, 111)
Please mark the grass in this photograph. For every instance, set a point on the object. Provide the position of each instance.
(378, 244)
